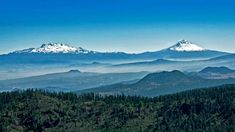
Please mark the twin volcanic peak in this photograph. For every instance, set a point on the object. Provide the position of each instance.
(182, 50)
(183, 45)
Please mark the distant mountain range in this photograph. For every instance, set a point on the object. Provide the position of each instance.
(216, 70)
(217, 73)
(186, 65)
(69, 81)
(161, 83)
(54, 58)
(139, 83)
(63, 53)
(55, 48)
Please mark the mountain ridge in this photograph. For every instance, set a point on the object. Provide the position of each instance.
(160, 83)
(180, 46)
(221, 70)
(54, 48)
(62, 53)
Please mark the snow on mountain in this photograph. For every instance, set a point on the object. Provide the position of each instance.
(54, 53)
(185, 45)
(54, 48)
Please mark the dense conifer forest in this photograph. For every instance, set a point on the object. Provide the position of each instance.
(210, 109)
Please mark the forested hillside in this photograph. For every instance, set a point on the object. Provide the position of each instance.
(210, 109)
(159, 83)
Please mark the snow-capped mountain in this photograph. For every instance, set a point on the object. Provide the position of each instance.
(54, 48)
(184, 50)
(62, 53)
(185, 45)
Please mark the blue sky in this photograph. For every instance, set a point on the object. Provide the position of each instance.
(117, 25)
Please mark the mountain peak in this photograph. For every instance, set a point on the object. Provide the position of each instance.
(164, 77)
(54, 48)
(220, 70)
(184, 41)
(74, 71)
(185, 45)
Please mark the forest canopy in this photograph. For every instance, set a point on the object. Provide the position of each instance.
(210, 109)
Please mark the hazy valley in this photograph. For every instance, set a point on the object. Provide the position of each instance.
(61, 87)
